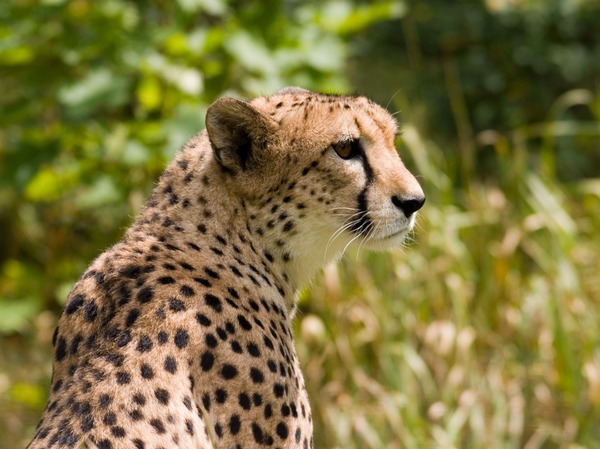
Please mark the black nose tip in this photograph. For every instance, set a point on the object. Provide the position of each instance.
(408, 205)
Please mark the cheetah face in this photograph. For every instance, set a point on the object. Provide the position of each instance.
(328, 164)
(385, 194)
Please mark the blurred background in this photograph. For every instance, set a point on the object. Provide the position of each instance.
(483, 333)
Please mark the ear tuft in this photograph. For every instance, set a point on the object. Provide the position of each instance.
(235, 129)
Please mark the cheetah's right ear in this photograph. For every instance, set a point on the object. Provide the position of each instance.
(235, 130)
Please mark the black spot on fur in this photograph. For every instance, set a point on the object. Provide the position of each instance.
(158, 425)
(145, 344)
(244, 323)
(145, 295)
(91, 311)
(162, 396)
(282, 430)
(162, 337)
(170, 365)
(207, 361)
(211, 340)
(61, 349)
(181, 338)
(228, 371)
(123, 377)
(146, 371)
(213, 302)
(244, 401)
(132, 317)
(176, 305)
(221, 395)
(164, 280)
(213, 274)
(236, 347)
(105, 444)
(203, 282)
(257, 376)
(257, 433)
(74, 304)
(203, 320)
(139, 399)
(187, 291)
(235, 424)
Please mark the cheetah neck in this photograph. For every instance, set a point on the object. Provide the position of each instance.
(195, 211)
(295, 243)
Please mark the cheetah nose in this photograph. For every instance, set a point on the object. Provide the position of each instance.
(408, 205)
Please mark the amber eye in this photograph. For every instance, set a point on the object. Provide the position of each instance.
(347, 149)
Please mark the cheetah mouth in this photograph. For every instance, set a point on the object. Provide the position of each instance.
(402, 233)
(389, 240)
(396, 232)
(395, 235)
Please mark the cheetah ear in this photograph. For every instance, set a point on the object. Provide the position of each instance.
(235, 130)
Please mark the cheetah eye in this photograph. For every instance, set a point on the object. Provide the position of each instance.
(347, 149)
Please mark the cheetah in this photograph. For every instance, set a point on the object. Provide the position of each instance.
(180, 335)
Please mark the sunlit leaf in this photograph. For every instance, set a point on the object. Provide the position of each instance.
(31, 395)
(17, 314)
(250, 52)
(215, 7)
(99, 88)
(343, 17)
(135, 154)
(187, 121)
(103, 191)
(49, 184)
(16, 56)
(186, 79)
(149, 93)
(176, 44)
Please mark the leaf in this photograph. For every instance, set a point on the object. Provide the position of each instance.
(186, 79)
(135, 154)
(103, 191)
(33, 396)
(16, 56)
(149, 93)
(328, 54)
(250, 52)
(341, 18)
(215, 7)
(17, 314)
(187, 121)
(49, 184)
(176, 44)
(99, 88)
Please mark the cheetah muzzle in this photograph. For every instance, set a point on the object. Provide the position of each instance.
(179, 336)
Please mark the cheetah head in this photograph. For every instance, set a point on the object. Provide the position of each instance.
(317, 173)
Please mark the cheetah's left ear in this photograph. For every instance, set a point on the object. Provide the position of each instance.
(235, 129)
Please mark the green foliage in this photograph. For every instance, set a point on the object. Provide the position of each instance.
(484, 334)
(100, 95)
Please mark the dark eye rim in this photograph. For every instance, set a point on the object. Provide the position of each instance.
(355, 148)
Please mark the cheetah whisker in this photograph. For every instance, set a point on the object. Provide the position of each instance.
(359, 234)
(348, 225)
(370, 233)
(350, 221)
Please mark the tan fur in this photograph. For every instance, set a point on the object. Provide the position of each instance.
(180, 335)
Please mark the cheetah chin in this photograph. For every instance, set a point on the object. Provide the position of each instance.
(180, 335)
